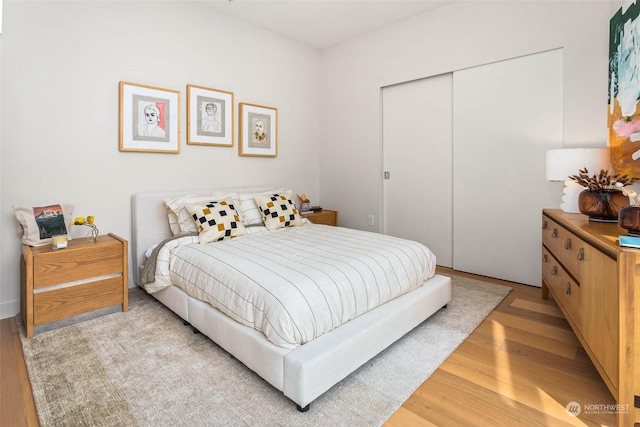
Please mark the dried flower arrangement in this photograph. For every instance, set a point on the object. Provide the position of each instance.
(603, 181)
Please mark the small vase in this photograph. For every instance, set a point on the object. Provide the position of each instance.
(94, 233)
(602, 205)
(629, 219)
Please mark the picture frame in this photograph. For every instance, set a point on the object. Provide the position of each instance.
(258, 130)
(210, 118)
(149, 118)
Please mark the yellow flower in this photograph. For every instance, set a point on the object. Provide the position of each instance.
(89, 222)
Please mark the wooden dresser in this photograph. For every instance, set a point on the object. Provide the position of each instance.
(596, 284)
(325, 216)
(85, 276)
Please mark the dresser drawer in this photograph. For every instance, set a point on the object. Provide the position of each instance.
(551, 237)
(571, 253)
(565, 290)
(566, 247)
(550, 269)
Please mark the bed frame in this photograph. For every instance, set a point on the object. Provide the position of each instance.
(305, 372)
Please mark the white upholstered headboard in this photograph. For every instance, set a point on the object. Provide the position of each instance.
(149, 221)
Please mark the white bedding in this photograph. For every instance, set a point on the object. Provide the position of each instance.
(296, 283)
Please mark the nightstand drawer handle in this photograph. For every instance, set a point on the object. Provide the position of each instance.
(567, 244)
(581, 254)
(545, 258)
(554, 233)
(568, 290)
(544, 224)
(554, 271)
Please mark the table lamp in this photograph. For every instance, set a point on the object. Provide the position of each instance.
(568, 161)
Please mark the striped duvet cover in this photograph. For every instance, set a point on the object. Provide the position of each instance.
(296, 283)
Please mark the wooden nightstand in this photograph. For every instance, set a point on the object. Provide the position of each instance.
(85, 276)
(325, 216)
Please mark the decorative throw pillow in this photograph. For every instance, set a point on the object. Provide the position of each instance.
(39, 224)
(247, 208)
(216, 220)
(278, 211)
(180, 220)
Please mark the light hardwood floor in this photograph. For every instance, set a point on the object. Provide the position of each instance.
(520, 367)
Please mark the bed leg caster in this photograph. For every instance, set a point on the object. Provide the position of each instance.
(195, 331)
(301, 409)
(445, 306)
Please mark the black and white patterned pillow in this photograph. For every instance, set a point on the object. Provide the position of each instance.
(278, 211)
(247, 208)
(180, 220)
(216, 220)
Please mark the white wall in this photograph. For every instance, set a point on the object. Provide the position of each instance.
(61, 63)
(453, 37)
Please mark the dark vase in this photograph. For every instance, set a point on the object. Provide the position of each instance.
(602, 205)
(629, 219)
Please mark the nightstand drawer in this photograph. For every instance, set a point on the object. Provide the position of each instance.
(326, 217)
(71, 301)
(68, 265)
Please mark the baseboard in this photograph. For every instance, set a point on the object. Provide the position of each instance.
(9, 309)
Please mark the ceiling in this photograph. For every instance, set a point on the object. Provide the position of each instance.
(322, 23)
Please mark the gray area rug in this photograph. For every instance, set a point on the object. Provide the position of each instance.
(145, 368)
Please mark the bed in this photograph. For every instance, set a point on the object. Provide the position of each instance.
(308, 364)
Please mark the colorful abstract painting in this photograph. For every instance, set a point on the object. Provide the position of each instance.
(624, 90)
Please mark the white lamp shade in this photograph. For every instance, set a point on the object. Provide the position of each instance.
(568, 161)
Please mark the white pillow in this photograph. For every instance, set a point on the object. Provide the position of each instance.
(247, 208)
(38, 224)
(216, 220)
(278, 211)
(180, 220)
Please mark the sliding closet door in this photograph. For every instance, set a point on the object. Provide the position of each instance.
(506, 115)
(416, 120)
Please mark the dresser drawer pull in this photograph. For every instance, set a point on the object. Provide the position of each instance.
(554, 271)
(554, 233)
(544, 224)
(581, 254)
(545, 258)
(567, 244)
(568, 290)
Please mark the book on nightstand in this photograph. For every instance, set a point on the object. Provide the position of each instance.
(629, 241)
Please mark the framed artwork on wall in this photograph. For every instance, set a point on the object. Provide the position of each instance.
(258, 130)
(624, 90)
(149, 118)
(209, 116)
